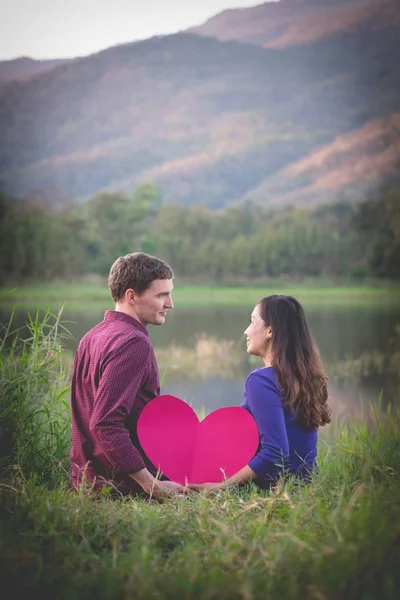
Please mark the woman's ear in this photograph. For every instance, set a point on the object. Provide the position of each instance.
(269, 332)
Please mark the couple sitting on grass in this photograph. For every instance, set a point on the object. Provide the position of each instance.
(115, 375)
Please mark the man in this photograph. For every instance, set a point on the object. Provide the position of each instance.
(115, 375)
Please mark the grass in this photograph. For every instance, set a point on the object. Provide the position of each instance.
(310, 294)
(34, 407)
(337, 538)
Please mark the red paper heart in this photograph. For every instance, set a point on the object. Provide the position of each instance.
(188, 450)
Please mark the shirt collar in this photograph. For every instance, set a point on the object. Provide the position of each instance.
(114, 315)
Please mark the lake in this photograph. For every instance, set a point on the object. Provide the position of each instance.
(205, 374)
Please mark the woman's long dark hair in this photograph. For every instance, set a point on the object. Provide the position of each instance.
(296, 360)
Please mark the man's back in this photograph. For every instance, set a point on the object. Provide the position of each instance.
(115, 376)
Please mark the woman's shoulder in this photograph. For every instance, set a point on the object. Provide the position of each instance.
(264, 375)
(261, 387)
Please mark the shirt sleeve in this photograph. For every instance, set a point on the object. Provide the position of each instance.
(265, 404)
(121, 378)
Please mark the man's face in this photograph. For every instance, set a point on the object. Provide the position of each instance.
(151, 307)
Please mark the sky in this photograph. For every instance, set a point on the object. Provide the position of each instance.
(43, 29)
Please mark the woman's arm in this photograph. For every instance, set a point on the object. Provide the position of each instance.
(265, 404)
(242, 476)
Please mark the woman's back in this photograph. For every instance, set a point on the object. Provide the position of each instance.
(285, 444)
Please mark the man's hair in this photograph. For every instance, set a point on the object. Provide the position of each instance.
(136, 271)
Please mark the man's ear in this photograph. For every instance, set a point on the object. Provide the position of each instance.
(130, 296)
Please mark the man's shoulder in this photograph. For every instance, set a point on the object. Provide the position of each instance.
(114, 336)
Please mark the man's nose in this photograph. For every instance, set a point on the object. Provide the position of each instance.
(169, 303)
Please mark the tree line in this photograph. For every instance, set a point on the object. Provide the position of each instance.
(41, 242)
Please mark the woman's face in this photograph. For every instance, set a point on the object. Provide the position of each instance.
(258, 334)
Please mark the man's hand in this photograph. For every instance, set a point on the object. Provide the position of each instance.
(171, 487)
(155, 488)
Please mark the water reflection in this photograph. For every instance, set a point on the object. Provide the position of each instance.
(339, 331)
(202, 354)
(348, 400)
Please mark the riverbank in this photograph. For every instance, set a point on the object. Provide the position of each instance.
(96, 294)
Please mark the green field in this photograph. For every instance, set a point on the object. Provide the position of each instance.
(50, 295)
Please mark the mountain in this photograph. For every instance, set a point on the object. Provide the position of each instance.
(24, 67)
(354, 162)
(292, 22)
(211, 121)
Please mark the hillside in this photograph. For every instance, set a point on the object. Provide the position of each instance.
(212, 122)
(293, 22)
(20, 69)
(355, 162)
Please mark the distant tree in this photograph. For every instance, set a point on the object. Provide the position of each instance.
(118, 224)
(378, 224)
(240, 243)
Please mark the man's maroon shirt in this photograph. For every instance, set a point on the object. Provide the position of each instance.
(115, 375)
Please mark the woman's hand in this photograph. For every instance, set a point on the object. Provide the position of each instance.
(245, 474)
(205, 487)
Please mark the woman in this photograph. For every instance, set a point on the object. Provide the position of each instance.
(287, 397)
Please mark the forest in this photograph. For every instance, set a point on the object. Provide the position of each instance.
(42, 242)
